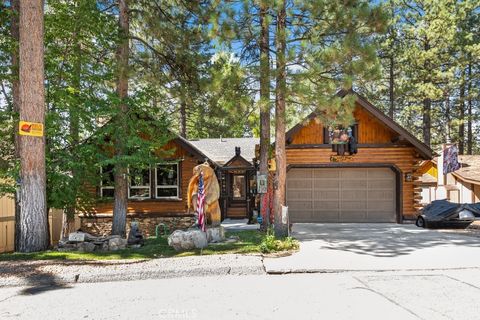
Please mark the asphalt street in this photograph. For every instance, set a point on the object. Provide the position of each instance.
(342, 271)
(450, 294)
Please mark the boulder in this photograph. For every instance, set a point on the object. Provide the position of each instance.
(216, 234)
(67, 247)
(86, 247)
(117, 243)
(187, 240)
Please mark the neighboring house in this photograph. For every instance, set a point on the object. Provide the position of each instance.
(463, 185)
(374, 185)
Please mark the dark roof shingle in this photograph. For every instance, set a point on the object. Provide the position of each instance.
(221, 150)
(470, 169)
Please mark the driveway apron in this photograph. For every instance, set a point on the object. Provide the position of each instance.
(338, 247)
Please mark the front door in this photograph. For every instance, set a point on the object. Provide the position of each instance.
(237, 204)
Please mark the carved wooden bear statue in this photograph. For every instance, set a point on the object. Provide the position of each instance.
(212, 193)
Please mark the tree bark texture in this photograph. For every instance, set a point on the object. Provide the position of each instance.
(469, 111)
(264, 106)
(391, 86)
(427, 121)
(120, 203)
(183, 118)
(33, 228)
(448, 119)
(461, 118)
(281, 229)
(69, 213)
(427, 103)
(391, 80)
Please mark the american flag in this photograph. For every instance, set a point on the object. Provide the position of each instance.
(201, 203)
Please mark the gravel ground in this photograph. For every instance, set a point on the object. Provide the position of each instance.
(31, 273)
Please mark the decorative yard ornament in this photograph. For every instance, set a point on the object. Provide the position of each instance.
(203, 194)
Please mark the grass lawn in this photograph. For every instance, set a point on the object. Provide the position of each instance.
(251, 241)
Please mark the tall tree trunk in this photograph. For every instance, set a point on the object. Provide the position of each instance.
(448, 118)
(69, 213)
(264, 106)
(391, 86)
(120, 174)
(469, 111)
(391, 80)
(461, 116)
(427, 103)
(14, 29)
(281, 229)
(33, 229)
(427, 121)
(183, 117)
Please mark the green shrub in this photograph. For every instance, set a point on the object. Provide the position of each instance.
(271, 244)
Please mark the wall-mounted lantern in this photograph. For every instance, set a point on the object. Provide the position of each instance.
(408, 177)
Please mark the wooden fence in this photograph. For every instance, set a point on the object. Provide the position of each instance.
(7, 224)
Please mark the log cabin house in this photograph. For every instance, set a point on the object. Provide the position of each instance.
(324, 182)
(159, 195)
(376, 184)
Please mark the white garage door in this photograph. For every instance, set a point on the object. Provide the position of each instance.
(341, 194)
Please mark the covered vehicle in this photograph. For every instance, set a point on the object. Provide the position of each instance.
(445, 214)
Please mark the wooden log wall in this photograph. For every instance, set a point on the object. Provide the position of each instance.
(370, 130)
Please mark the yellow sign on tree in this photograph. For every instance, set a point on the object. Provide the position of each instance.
(33, 129)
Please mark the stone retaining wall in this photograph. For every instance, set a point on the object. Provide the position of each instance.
(101, 226)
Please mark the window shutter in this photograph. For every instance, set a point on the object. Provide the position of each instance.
(355, 131)
(326, 139)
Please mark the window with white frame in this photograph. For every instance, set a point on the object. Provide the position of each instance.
(166, 180)
(139, 183)
(107, 182)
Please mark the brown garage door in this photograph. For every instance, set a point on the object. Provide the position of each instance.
(341, 195)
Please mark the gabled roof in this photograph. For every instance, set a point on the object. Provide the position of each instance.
(423, 149)
(221, 150)
(238, 158)
(192, 149)
(174, 137)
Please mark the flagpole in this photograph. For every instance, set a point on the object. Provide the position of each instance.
(440, 190)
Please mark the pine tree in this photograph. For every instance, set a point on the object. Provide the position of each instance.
(281, 228)
(265, 107)
(428, 30)
(33, 229)
(120, 204)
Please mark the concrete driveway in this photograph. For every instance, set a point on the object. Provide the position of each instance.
(376, 247)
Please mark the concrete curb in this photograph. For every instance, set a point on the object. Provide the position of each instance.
(54, 274)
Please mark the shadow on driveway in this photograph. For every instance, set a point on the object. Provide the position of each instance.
(379, 239)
